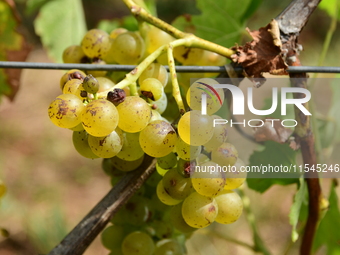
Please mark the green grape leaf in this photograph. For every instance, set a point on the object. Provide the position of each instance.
(332, 7)
(12, 48)
(221, 21)
(273, 154)
(60, 23)
(334, 113)
(328, 231)
(34, 5)
(295, 209)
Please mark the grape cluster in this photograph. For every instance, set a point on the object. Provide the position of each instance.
(121, 126)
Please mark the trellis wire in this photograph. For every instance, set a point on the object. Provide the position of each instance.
(180, 69)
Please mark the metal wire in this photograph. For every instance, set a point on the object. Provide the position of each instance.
(180, 69)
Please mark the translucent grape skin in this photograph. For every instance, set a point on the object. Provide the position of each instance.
(71, 74)
(157, 71)
(96, 43)
(138, 243)
(219, 136)
(224, 155)
(176, 185)
(178, 221)
(131, 149)
(112, 237)
(81, 144)
(74, 54)
(136, 211)
(107, 146)
(100, 118)
(186, 151)
(195, 129)
(235, 179)
(199, 211)
(127, 49)
(164, 196)
(188, 56)
(152, 88)
(126, 166)
(75, 87)
(158, 138)
(168, 161)
(134, 114)
(66, 110)
(230, 207)
(168, 247)
(160, 104)
(207, 183)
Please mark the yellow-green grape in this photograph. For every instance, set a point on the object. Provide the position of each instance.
(210, 58)
(156, 38)
(161, 170)
(186, 151)
(107, 146)
(90, 84)
(81, 144)
(3, 188)
(162, 229)
(100, 118)
(126, 166)
(164, 196)
(66, 110)
(104, 84)
(168, 161)
(195, 129)
(79, 127)
(69, 75)
(199, 211)
(236, 177)
(230, 207)
(112, 237)
(161, 104)
(168, 247)
(215, 97)
(176, 185)
(220, 136)
(74, 87)
(134, 114)
(74, 54)
(157, 71)
(136, 211)
(138, 243)
(128, 48)
(188, 56)
(97, 73)
(115, 32)
(224, 155)
(178, 221)
(131, 149)
(109, 58)
(207, 180)
(96, 43)
(158, 138)
(152, 88)
(155, 115)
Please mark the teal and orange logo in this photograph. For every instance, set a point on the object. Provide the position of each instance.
(210, 90)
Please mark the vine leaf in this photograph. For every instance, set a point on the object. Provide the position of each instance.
(13, 47)
(225, 28)
(60, 23)
(273, 154)
(328, 232)
(295, 209)
(331, 6)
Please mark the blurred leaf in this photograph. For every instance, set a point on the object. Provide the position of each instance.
(221, 21)
(331, 7)
(61, 23)
(334, 112)
(327, 130)
(34, 5)
(295, 209)
(108, 25)
(328, 232)
(273, 154)
(12, 48)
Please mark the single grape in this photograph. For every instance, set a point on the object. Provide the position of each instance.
(199, 211)
(107, 146)
(126, 166)
(131, 149)
(168, 247)
(96, 43)
(81, 144)
(138, 243)
(195, 129)
(162, 229)
(185, 168)
(158, 138)
(65, 111)
(178, 221)
(90, 84)
(188, 56)
(235, 179)
(115, 32)
(112, 237)
(186, 151)
(100, 118)
(168, 161)
(207, 182)
(161, 171)
(157, 71)
(69, 75)
(161, 104)
(176, 185)
(152, 88)
(164, 196)
(74, 87)
(220, 136)
(136, 211)
(134, 114)
(74, 54)
(127, 49)
(224, 155)
(215, 97)
(105, 84)
(230, 207)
